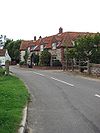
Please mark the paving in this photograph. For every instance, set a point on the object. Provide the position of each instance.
(60, 102)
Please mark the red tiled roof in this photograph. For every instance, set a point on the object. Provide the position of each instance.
(26, 44)
(63, 38)
(2, 52)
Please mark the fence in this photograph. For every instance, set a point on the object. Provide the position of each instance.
(81, 66)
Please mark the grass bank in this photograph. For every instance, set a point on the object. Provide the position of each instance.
(13, 97)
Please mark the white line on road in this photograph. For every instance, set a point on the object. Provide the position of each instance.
(55, 79)
(62, 81)
(96, 95)
(39, 74)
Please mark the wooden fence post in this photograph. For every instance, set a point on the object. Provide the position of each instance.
(88, 67)
(7, 67)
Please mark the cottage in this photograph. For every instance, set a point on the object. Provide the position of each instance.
(4, 56)
(55, 44)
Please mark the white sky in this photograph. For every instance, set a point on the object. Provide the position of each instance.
(23, 19)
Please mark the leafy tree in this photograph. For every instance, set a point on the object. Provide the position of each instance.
(84, 47)
(87, 47)
(35, 58)
(45, 58)
(70, 53)
(13, 49)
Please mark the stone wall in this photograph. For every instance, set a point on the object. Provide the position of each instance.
(95, 69)
(56, 52)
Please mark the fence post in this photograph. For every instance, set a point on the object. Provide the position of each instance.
(66, 64)
(7, 67)
(88, 67)
(72, 65)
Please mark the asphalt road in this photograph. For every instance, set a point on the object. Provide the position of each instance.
(60, 102)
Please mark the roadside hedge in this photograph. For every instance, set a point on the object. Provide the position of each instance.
(2, 71)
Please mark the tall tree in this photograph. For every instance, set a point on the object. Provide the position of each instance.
(13, 49)
(88, 47)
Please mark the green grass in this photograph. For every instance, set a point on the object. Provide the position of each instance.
(13, 97)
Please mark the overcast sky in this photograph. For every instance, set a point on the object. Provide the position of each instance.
(23, 19)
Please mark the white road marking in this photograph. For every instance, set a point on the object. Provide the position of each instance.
(55, 79)
(96, 95)
(62, 81)
(39, 74)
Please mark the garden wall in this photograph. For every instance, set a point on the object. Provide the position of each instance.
(95, 69)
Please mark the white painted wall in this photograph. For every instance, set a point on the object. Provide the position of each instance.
(22, 53)
(2, 60)
(7, 57)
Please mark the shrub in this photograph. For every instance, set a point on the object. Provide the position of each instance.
(56, 63)
(45, 58)
(2, 71)
(21, 62)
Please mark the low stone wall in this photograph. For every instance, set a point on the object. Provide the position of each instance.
(95, 69)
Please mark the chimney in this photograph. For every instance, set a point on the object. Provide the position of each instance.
(40, 37)
(34, 38)
(60, 30)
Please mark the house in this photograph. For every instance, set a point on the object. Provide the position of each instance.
(55, 44)
(4, 56)
(23, 47)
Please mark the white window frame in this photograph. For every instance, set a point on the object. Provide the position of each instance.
(54, 46)
(41, 47)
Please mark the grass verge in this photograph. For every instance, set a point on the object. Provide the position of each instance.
(13, 97)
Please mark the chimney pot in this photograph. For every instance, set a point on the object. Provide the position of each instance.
(34, 38)
(60, 30)
(40, 37)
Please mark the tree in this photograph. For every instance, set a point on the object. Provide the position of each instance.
(87, 48)
(84, 47)
(35, 58)
(45, 58)
(70, 53)
(13, 49)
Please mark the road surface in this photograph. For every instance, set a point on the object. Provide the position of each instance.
(61, 102)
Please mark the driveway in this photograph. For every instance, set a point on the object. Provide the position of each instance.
(61, 103)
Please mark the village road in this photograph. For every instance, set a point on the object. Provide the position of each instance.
(61, 102)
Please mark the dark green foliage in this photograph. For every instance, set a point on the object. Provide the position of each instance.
(84, 47)
(87, 47)
(13, 49)
(56, 63)
(70, 53)
(45, 58)
(35, 58)
(21, 62)
(2, 71)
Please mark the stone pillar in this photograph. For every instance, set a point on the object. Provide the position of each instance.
(88, 67)
(7, 67)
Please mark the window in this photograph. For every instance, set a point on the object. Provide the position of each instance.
(73, 43)
(41, 48)
(54, 57)
(53, 45)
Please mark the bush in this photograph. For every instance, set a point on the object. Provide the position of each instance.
(21, 62)
(56, 63)
(45, 58)
(2, 71)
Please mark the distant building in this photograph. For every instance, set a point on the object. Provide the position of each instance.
(4, 56)
(55, 44)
